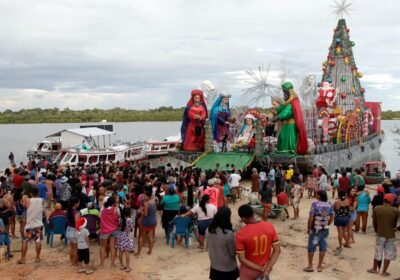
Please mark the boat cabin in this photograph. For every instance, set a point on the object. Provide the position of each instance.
(120, 153)
(375, 172)
(48, 148)
(158, 148)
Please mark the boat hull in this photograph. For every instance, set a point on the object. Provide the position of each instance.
(333, 157)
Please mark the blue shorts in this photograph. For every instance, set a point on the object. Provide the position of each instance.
(105, 236)
(4, 239)
(342, 221)
(72, 235)
(353, 216)
(318, 238)
(202, 225)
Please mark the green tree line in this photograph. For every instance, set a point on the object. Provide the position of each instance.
(55, 115)
(390, 115)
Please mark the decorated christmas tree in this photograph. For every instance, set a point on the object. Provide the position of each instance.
(341, 71)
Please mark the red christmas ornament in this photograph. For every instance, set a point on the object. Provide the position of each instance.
(347, 30)
(331, 62)
(343, 95)
(324, 69)
(362, 90)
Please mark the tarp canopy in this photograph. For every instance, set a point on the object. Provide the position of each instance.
(225, 160)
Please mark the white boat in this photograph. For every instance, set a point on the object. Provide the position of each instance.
(49, 148)
(162, 147)
(84, 155)
(88, 145)
(54, 143)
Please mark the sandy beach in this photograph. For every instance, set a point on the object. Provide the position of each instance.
(180, 263)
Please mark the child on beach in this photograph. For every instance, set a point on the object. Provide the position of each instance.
(4, 238)
(125, 244)
(83, 246)
(310, 185)
(282, 200)
(296, 195)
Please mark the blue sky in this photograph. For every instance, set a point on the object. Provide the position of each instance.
(150, 53)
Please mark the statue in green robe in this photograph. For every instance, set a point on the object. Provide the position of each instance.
(287, 138)
(292, 138)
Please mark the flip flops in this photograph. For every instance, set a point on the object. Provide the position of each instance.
(307, 269)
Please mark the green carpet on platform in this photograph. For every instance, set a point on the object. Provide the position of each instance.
(210, 160)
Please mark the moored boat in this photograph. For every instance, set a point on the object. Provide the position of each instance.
(82, 155)
(375, 172)
(49, 148)
(162, 147)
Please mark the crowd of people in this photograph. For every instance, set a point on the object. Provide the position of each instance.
(118, 205)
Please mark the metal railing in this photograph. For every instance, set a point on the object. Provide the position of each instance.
(320, 149)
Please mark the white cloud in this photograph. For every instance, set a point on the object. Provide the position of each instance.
(33, 98)
(381, 81)
(148, 53)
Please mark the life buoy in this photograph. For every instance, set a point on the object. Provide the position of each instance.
(349, 155)
(372, 146)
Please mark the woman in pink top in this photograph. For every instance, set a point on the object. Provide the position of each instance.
(109, 222)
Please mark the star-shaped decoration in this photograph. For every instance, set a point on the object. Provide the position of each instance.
(259, 85)
(341, 8)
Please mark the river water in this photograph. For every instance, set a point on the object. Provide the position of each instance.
(18, 138)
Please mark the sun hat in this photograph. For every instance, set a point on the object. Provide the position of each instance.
(171, 179)
(64, 179)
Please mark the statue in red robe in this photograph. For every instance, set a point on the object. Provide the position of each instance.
(194, 116)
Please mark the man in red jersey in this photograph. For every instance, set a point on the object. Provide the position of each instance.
(212, 191)
(257, 245)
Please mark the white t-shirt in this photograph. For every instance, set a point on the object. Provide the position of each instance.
(211, 211)
(235, 179)
(81, 236)
(263, 176)
(338, 176)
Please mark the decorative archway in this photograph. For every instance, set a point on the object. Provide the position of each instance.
(256, 114)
